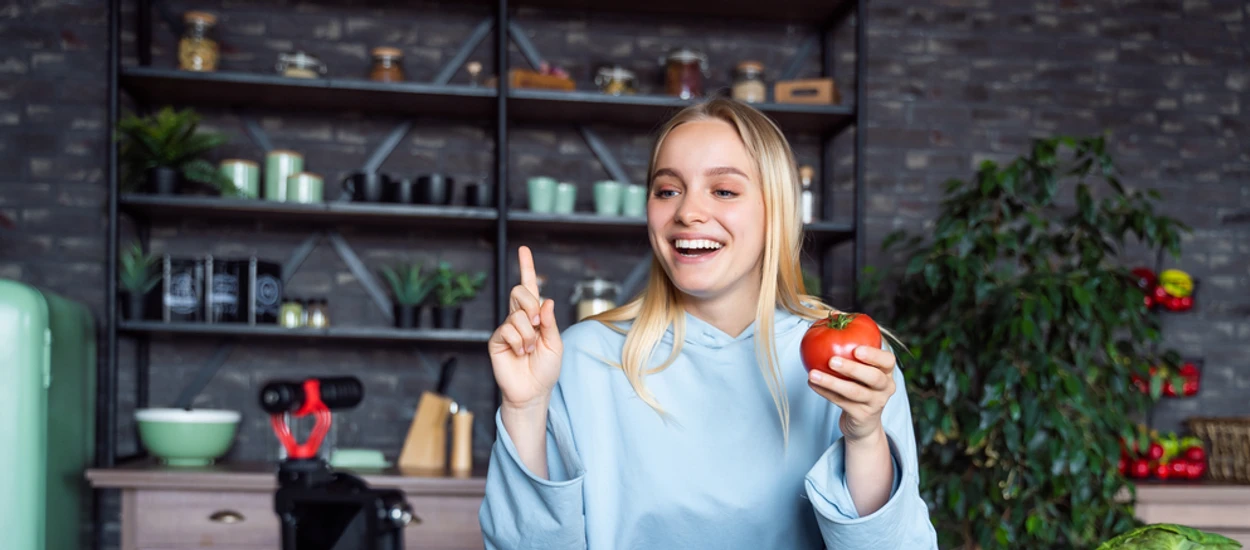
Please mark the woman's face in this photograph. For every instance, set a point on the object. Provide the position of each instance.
(705, 213)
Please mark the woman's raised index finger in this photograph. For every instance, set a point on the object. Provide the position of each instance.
(528, 278)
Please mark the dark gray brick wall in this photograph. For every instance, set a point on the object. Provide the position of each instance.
(950, 83)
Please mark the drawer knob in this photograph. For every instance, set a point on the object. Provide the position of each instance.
(226, 516)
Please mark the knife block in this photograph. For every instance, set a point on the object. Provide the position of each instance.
(425, 448)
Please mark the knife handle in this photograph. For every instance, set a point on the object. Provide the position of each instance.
(462, 441)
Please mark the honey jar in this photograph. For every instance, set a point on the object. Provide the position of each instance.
(197, 50)
(749, 86)
(616, 81)
(684, 71)
(386, 65)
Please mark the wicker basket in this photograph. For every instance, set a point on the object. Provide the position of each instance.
(1228, 447)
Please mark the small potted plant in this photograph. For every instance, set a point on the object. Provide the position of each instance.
(410, 288)
(162, 152)
(137, 276)
(454, 289)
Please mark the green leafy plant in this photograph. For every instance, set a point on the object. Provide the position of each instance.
(1023, 331)
(169, 139)
(137, 273)
(408, 284)
(455, 287)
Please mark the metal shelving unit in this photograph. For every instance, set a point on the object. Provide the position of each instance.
(502, 107)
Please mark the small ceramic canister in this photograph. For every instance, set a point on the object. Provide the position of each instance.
(280, 164)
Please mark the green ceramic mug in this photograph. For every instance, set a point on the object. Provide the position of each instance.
(635, 201)
(608, 198)
(305, 187)
(245, 175)
(542, 194)
(566, 198)
(279, 165)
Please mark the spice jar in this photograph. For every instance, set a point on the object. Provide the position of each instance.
(807, 208)
(318, 313)
(684, 70)
(291, 315)
(749, 86)
(299, 65)
(386, 65)
(197, 50)
(616, 81)
(594, 296)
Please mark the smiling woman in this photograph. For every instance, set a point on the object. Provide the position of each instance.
(684, 419)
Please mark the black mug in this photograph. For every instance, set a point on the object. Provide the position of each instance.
(434, 189)
(400, 191)
(479, 194)
(366, 186)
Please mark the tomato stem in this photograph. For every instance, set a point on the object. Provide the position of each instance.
(840, 321)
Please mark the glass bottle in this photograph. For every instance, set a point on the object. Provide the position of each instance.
(386, 65)
(291, 315)
(197, 50)
(749, 86)
(808, 203)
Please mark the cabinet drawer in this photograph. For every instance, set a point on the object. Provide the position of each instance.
(198, 519)
(201, 519)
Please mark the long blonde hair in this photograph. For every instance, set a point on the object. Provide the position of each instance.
(658, 306)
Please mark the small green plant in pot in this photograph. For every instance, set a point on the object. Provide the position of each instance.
(137, 275)
(1023, 328)
(410, 288)
(454, 289)
(163, 153)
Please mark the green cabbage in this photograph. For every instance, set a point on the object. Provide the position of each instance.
(1169, 536)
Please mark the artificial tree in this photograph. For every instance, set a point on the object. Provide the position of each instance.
(453, 289)
(1022, 329)
(137, 274)
(410, 288)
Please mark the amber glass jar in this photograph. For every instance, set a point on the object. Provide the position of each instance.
(197, 50)
(684, 70)
(387, 65)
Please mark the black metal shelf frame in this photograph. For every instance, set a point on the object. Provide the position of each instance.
(509, 107)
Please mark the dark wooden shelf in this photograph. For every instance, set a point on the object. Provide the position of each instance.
(178, 207)
(590, 224)
(649, 111)
(156, 86)
(793, 11)
(373, 334)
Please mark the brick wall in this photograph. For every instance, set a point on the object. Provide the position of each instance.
(949, 84)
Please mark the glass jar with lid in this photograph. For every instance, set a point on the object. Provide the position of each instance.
(387, 66)
(616, 80)
(299, 65)
(594, 296)
(318, 313)
(197, 50)
(749, 85)
(684, 71)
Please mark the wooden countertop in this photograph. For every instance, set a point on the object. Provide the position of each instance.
(261, 477)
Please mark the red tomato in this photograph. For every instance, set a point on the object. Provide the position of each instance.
(1139, 468)
(1160, 295)
(1162, 471)
(1188, 370)
(1195, 470)
(1195, 454)
(1146, 278)
(1190, 387)
(838, 335)
(1185, 303)
(1123, 466)
(1178, 469)
(1155, 452)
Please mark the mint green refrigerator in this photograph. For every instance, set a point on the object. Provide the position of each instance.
(47, 418)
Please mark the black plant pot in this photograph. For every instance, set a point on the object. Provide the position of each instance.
(163, 180)
(447, 317)
(406, 316)
(134, 306)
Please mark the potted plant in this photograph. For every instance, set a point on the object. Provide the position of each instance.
(162, 151)
(454, 289)
(137, 276)
(1023, 328)
(410, 288)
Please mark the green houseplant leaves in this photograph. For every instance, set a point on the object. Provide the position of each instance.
(1023, 331)
(169, 139)
(409, 285)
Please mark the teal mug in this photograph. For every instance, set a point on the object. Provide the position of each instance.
(608, 198)
(304, 187)
(542, 194)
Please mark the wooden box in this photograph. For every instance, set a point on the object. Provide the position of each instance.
(810, 91)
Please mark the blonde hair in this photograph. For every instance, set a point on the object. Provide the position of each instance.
(659, 304)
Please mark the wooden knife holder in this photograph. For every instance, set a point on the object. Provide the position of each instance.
(425, 448)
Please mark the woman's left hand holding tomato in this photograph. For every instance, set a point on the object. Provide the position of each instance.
(863, 395)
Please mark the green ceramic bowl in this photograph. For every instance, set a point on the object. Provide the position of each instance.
(179, 437)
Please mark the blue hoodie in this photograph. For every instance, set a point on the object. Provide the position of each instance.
(714, 475)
